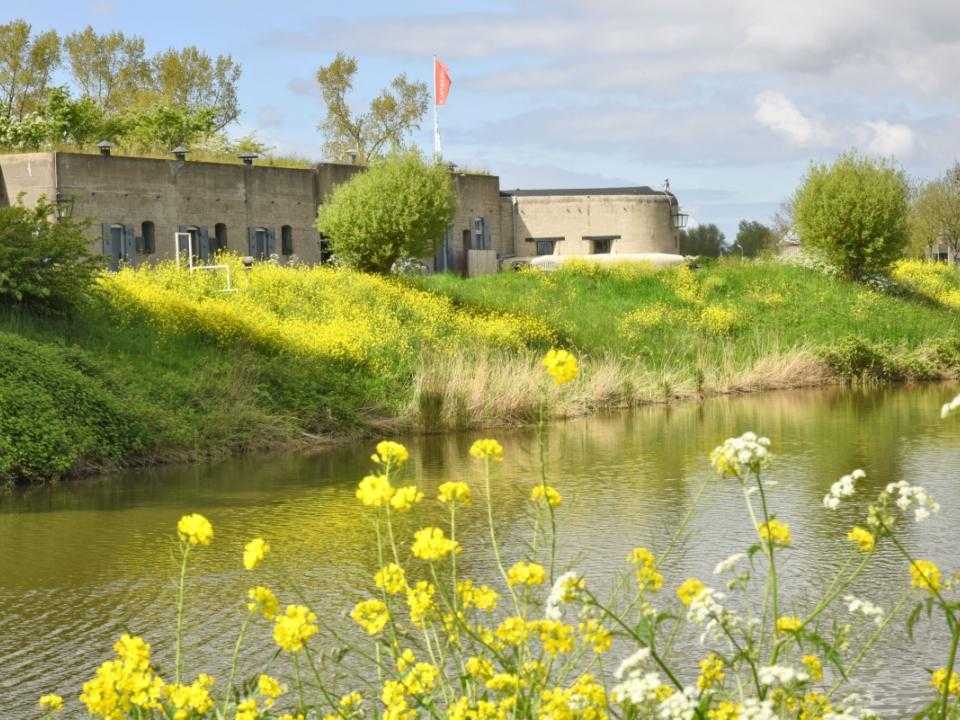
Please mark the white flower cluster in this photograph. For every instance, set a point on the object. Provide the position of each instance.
(864, 607)
(844, 487)
(632, 664)
(679, 706)
(848, 709)
(636, 686)
(753, 709)
(705, 607)
(563, 591)
(725, 566)
(950, 407)
(780, 675)
(913, 496)
(738, 455)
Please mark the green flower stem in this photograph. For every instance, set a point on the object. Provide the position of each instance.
(944, 701)
(233, 660)
(542, 446)
(327, 695)
(178, 660)
(493, 534)
(296, 672)
(675, 538)
(774, 581)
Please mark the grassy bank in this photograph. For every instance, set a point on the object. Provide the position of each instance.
(163, 365)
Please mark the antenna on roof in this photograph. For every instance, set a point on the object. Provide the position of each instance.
(666, 184)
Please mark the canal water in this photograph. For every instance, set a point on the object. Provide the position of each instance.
(83, 562)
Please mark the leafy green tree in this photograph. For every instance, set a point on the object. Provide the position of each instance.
(26, 64)
(754, 237)
(854, 212)
(112, 69)
(163, 127)
(385, 127)
(935, 213)
(43, 262)
(191, 79)
(703, 240)
(395, 209)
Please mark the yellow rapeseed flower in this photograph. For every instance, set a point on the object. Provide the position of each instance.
(486, 448)
(690, 590)
(711, 672)
(525, 573)
(925, 575)
(263, 601)
(195, 529)
(375, 491)
(270, 688)
(863, 538)
(724, 710)
(420, 601)
(939, 680)
(391, 579)
(482, 597)
(513, 630)
(351, 701)
(788, 623)
(421, 679)
(814, 667)
(479, 668)
(405, 659)
(372, 615)
(51, 702)
(254, 553)
(775, 532)
(192, 698)
(292, 629)
(596, 635)
(548, 492)
(454, 492)
(247, 710)
(648, 577)
(405, 498)
(555, 636)
(815, 706)
(561, 365)
(390, 453)
(431, 544)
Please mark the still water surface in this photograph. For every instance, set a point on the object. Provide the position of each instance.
(83, 562)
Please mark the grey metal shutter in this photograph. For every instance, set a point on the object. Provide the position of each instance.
(271, 242)
(252, 242)
(486, 235)
(182, 241)
(129, 245)
(204, 250)
(105, 236)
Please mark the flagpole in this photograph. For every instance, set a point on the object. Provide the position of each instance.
(437, 149)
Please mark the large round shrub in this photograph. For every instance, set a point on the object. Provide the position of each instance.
(855, 213)
(397, 208)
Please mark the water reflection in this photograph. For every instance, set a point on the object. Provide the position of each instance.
(83, 562)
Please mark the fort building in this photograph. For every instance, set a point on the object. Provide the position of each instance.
(138, 207)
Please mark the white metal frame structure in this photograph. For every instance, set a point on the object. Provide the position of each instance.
(176, 251)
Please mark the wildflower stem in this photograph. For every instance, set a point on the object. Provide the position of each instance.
(542, 446)
(774, 581)
(178, 661)
(675, 538)
(951, 661)
(296, 672)
(233, 660)
(493, 534)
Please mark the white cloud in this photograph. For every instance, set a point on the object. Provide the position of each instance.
(777, 112)
(889, 139)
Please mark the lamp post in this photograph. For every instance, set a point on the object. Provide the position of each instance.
(63, 206)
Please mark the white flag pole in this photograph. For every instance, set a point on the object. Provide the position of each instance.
(437, 149)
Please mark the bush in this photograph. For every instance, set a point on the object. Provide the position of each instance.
(398, 208)
(44, 263)
(855, 213)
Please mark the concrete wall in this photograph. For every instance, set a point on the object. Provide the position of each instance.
(478, 196)
(32, 174)
(643, 222)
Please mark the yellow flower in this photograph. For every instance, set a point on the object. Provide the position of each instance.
(479, 668)
(263, 601)
(648, 577)
(299, 716)
(482, 449)
(375, 491)
(391, 579)
(372, 615)
(539, 492)
(788, 623)
(51, 703)
(814, 667)
(292, 629)
(597, 635)
(195, 529)
(247, 710)
(254, 553)
(390, 453)
(420, 601)
(270, 688)
(351, 701)
(815, 706)
(690, 590)
(431, 544)
(776, 532)
(513, 630)
(525, 573)
(662, 692)
(864, 539)
(504, 682)
(925, 575)
(421, 679)
(555, 636)
(482, 597)
(405, 498)
(561, 365)
(192, 698)
(406, 659)
(454, 492)
(939, 679)
(725, 710)
(711, 672)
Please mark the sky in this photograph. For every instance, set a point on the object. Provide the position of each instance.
(731, 100)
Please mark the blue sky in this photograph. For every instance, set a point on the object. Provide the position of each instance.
(731, 99)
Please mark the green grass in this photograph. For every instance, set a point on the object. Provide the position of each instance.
(162, 366)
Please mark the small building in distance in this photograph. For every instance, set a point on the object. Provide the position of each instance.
(137, 206)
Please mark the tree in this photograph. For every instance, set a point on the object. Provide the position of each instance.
(26, 64)
(395, 209)
(935, 213)
(42, 262)
(112, 69)
(703, 240)
(164, 127)
(754, 237)
(189, 78)
(854, 212)
(392, 115)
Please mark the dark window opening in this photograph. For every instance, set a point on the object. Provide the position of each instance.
(601, 244)
(286, 240)
(260, 242)
(148, 238)
(544, 245)
(326, 252)
(481, 234)
(219, 238)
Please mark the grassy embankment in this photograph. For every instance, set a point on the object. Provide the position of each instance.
(164, 366)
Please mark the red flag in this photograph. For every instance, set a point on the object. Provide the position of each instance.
(441, 81)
